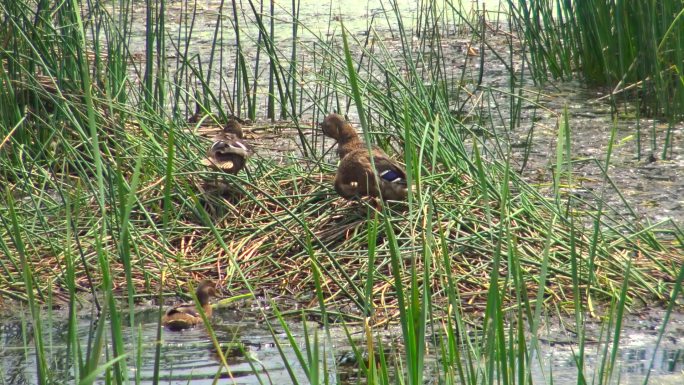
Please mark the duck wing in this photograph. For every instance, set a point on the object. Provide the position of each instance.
(387, 169)
(356, 177)
(185, 308)
(391, 178)
(227, 153)
(228, 144)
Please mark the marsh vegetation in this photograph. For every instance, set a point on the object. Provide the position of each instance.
(542, 156)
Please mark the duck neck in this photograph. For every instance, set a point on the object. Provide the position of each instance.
(203, 298)
(233, 128)
(207, 309)
(349, 140)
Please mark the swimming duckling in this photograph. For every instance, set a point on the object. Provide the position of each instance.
(186, 315)
(356, 177)
(228, 152)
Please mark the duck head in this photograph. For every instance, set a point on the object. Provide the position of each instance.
(337, 127)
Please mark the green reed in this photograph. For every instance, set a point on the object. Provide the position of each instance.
(630, 47)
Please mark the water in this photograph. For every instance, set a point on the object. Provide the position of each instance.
(637, 351)
(184, 355)
(190, 355)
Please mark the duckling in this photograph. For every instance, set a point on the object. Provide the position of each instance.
(356, 177)
(336, 127)
(228, 152)
(186, 315)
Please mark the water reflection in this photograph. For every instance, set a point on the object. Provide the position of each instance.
(254, 358)
(188, 355)
(632, 363)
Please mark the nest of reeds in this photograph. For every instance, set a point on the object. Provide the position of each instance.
(280, 232)
(287, 234)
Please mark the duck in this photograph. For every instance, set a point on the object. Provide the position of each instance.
(355, 175)
(186, 315)
(197, 116)
(337, 127)
(228, 152)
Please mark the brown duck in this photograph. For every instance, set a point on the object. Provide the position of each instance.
(228, 152)
(356, 176)
(186, 315)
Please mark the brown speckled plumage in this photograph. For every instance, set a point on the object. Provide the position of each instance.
(186, 315)
(228, 152)
(355, 175)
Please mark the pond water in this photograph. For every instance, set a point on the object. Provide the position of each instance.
(253, 355)
(184, 356)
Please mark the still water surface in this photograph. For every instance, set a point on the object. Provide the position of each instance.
(254, 356)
